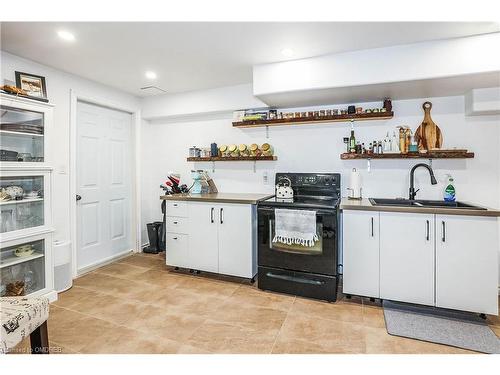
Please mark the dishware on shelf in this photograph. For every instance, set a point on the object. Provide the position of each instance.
(24, 250)
(15, 192)
(32, 194)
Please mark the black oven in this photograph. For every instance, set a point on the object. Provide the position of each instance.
(320, 258)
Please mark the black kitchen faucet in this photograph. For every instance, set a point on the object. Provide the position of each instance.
(413, 192)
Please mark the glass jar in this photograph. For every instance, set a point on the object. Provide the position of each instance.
(233, 151)
(243, 150)
(254, 150)
(267, 149)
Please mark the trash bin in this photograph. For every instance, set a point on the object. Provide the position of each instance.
(63, 279)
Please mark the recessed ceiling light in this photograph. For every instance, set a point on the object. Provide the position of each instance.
(287, 52)
(66, 35)
(150, 75)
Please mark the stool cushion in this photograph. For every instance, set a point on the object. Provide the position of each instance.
(19, 316)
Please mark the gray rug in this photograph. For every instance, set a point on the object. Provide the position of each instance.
(454, 328)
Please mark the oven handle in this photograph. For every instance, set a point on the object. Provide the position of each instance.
(294, 278)
(318, 212)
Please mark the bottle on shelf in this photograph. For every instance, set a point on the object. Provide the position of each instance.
(352, 139)
(449, 191)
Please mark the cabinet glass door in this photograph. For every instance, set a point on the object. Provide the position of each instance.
(21, 203)
(22, 268)
(21, 135)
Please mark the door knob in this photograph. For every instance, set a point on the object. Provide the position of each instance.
(78, 197)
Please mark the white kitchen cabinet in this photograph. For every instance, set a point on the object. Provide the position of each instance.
(407, 257)
(203, 238)
(212, 237)
(361, 253)
(235, 240)
(467, 263)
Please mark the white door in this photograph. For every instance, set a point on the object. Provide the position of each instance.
(104, 183)
(203, 238)
(407, 257)
(467, 263)
(235, 240)
(361, 253)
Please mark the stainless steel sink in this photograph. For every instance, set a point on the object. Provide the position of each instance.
(422, 203)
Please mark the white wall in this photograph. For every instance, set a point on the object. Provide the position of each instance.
(316, 148)
(59, 85)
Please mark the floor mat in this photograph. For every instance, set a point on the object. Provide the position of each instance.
(454, 328)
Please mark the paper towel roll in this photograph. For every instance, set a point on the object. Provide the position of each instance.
(355, 184)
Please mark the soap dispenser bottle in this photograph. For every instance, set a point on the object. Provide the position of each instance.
(449, 191)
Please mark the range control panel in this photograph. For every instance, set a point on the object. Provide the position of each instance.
(310, 180)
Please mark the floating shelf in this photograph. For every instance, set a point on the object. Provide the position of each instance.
(234, 158)
(315, 120)
(20, 134)
(412, 155)
(10, 261)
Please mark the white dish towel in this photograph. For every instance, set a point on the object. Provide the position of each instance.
(295, 227)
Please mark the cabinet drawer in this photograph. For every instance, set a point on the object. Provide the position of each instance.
(177, 250)
(177, 225)
(176, 208)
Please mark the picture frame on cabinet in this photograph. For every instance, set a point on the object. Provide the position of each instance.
(33, 84)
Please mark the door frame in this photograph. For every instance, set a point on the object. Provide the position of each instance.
(135, 222)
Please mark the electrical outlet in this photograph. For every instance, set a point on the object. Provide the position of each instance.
(265, 178)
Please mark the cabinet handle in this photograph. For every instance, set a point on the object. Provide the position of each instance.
(427, 236)
(175, 238)
(372, 225)
(443, 238)
(175, 222)
(212, 215)
(222, 216)
(175, 204)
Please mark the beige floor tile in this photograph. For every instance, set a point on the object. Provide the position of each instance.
(328, 335)
(56, 348)
(107, 284)
(122, 270)
(378, 341)
(339, 311)
(226, 338)
(373, 316)
(207, 287)
(170, 325)
(190, 349)
(24, 347)
(259, 319)
(296, 346)
(129, 341)
(161, 278)
(143, 261)
(249, 295)
(74, 297)
(74, 330)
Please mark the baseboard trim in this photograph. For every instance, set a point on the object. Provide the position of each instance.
(52, 296)
(104, 262)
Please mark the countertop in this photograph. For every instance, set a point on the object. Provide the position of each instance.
(365, 205)
(246, 198)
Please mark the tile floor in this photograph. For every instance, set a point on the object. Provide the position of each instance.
(138, 305)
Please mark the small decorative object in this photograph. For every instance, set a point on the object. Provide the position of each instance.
(267, 149)
(243, 150)
(297, 114)
(15, 192)
(214, 151)
(328, 112)
(24, 251)
(383, 110)
(223, 151)
(280, 115)
(24, 156)
(254, 150)
(303, 114)
(351, 109)
(13, 90)
(284, 188)
(359, 110)
(375, 110)
(273, 114)
(33, 85)
(310, 114)
(428, 135)
(205, 152)
(346, 142)
(4, 197)
(15, 289)
(388, 105)
(343, 111)
(316, 113)
(322, 113)
(335, 112)
(368, 110)
(233, 151)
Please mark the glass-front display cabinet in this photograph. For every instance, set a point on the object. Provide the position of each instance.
(23, 130)
(25, 266)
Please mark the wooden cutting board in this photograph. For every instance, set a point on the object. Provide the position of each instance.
(428, 135)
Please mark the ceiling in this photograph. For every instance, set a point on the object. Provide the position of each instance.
(193, 56)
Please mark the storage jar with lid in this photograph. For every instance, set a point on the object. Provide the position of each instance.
(267, 149)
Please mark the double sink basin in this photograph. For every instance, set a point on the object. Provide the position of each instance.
(422, 203)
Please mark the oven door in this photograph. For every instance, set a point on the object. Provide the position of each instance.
(320, 258)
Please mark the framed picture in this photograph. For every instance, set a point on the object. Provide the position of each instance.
(34, 85)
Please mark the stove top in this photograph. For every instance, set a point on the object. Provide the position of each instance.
(311, 190)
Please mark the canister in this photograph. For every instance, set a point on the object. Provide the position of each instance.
(233, 151)
(267, 149)
(254, 149)
(223, 150)
(243, 150)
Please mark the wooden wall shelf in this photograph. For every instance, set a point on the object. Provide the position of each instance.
(234, 158)
(412, 155)
(315, 120)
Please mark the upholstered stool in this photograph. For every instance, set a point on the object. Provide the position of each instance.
(23, 316)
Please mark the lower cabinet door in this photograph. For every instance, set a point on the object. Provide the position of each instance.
(467, 263)
(203, 237)
(177, 250)
(236, 254)
(361, 253)
(407, 257)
